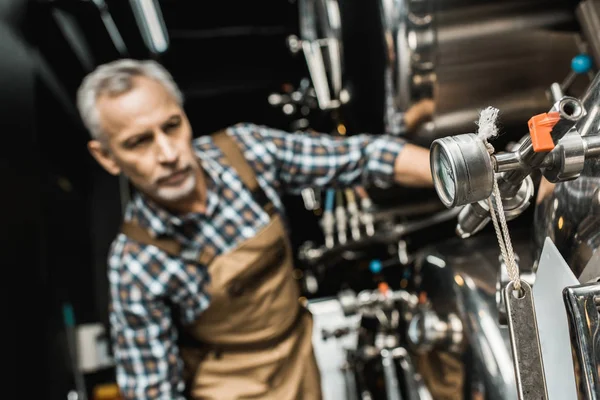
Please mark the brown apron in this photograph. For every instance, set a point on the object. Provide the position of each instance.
(255, 339)
(443, 373)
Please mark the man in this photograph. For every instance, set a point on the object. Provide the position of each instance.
(202, 296)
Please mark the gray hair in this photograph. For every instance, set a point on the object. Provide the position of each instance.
(115, 78)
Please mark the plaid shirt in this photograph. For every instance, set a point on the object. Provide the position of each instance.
(144, 280)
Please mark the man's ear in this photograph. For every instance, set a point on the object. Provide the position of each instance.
(104, 157)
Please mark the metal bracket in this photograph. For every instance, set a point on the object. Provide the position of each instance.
(525, 343)
(583, 311)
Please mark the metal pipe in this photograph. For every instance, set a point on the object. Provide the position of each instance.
(506, 161)
(556, 92)
(489, 341)
(571, 110)
(592, 146)
(590, 123)
(350, 381)
(588, 14)
(328, 221)
(390, 377)
(413, 382)
(398, 68)
(312, 256)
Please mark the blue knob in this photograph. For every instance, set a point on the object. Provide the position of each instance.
(581, 63)
(375, 266)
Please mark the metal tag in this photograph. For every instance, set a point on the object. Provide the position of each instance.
(525, 344)
(553, 275)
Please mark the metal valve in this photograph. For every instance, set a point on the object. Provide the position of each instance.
(427, 330)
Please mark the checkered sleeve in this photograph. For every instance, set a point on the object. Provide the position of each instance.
(303, 160)
(141, 278)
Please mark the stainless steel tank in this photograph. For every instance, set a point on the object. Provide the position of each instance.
(466, 56)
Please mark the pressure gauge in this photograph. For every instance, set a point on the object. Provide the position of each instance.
(462, 169)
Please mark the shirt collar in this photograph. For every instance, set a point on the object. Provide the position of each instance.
(157, 220)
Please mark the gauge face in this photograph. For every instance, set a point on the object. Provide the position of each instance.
(462, 169)
(446, 176)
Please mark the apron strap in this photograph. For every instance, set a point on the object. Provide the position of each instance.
(170, 246)
(134, 231)
(238, 161)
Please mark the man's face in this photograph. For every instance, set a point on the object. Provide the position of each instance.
(148, 138)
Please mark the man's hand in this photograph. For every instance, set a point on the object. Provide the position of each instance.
(418, 113)
(412, 167)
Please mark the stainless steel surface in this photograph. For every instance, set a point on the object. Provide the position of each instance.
(398, 69)
(449, 52)
(391, 359)
(570, 108)
(460, 276)
(371, 302)
(390, 376)
(515, 195)
(568, 158)
(474, 74)
(488, 340)
(350, 380)
(570, 216)
(592, 145)
(525, 343)
(583, 310)
(320, 28)
(462, 169)
(413, 382)
(570, 213)
(556, 92)
(571, 111)
(383, 342)
(588, 14)
(590, 123)
(460, 114)
(505, 161)
(475, 216)
(552, 276)
(466, 29)
(472, 219)
(591, 273)
(427, 330)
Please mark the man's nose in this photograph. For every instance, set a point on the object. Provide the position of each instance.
(167, 152)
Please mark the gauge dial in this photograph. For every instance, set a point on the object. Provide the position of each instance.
(446, 176)
(462, 169)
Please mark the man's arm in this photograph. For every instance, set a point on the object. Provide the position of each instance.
(412, 167)
(144, 340)
(319, 160)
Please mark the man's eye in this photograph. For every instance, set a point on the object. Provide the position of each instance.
(138, 142)
(172, 126)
